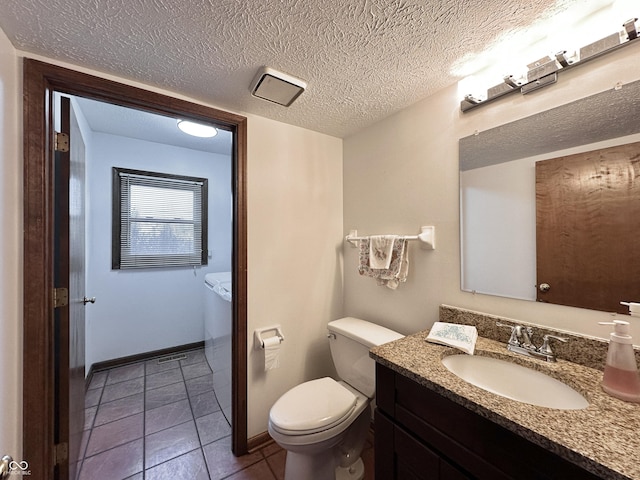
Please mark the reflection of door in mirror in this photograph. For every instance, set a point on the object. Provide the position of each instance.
(588, 228)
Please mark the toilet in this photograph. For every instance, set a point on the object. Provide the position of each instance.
(323, 423)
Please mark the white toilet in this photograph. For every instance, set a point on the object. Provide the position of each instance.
(323, 423)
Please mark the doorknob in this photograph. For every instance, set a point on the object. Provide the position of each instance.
(89, 300)
(5, 465)
(544, 287)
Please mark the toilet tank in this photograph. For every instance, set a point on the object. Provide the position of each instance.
(350, 340)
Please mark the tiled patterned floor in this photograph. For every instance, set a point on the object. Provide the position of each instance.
(151, 421)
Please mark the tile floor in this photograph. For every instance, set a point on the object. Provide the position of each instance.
(151, 421)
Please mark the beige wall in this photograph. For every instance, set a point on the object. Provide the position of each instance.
(295, 266)
(294, 261)
(10, 253)
(403, 172)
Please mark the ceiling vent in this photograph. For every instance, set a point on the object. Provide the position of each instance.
(276, 87)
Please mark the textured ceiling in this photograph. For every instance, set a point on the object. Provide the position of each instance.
(362, 59)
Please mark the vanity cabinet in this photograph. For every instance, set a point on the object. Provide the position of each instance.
(419, 434)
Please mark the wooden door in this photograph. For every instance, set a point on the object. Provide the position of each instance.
(588, 228)
(39, 382)
(69, 255)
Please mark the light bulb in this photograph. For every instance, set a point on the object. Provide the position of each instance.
(197, 129)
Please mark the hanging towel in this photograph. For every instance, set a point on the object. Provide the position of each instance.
(380, 249)
(403, 270)
(398, 268)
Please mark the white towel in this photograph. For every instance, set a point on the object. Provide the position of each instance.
(403, 269)
(380, 249)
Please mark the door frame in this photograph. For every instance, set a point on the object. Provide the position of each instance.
(40, 81)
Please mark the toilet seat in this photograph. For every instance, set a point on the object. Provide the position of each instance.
(312, 407)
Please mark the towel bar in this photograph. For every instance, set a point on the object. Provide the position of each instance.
(427, 236)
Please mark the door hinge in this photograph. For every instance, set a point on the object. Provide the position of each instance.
(61, 142)
(60, 297)
(60, 453)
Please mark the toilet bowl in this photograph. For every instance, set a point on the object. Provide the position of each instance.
(323, 423)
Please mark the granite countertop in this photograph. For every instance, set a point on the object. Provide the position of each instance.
(604, 438)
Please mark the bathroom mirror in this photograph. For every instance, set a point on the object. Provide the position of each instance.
(498, 186)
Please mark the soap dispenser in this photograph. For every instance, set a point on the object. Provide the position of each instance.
(634, 308)
(621, 378)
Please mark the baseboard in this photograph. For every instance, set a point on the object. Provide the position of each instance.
(259, 441)
(119, 362)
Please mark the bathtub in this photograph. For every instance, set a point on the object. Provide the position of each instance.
(217, 335)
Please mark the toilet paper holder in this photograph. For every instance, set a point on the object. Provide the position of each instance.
(260, 335)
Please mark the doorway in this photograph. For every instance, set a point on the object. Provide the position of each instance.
(46, 450)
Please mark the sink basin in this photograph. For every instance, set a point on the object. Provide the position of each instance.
(514, 381)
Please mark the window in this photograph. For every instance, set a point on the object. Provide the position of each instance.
(159, 220)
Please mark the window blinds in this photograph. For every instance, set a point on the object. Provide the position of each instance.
(161, 221)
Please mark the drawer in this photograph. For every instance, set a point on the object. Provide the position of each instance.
(399, 455)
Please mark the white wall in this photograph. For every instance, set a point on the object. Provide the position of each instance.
(411, 161)
(139, 311)
(498, 225)
(10, 252)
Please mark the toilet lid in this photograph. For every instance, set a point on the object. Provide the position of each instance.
(312, 405)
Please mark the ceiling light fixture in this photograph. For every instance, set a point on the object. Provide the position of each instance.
(276, 87)
(545, 71)
(197, 129)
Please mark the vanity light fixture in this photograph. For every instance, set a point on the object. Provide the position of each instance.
(630, 29)
(276, 87)
(562, 59)
(197, 129)
(544, 71)
(512, 81)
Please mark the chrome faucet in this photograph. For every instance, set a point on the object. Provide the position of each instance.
(520, 342)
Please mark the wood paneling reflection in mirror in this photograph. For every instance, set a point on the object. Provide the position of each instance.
(588, 228)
